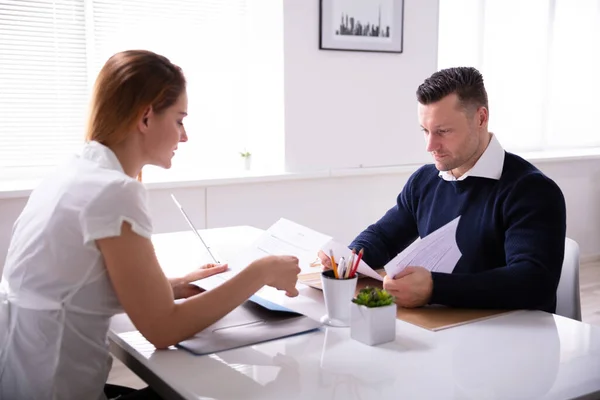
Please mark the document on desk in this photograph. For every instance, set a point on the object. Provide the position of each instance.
(437, 252)
(286, 237)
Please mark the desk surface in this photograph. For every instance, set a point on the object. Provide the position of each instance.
(521, 355)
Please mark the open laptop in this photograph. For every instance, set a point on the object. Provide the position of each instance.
(214, 281)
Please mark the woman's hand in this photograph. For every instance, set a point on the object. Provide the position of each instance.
(182, 287)
(280, 272)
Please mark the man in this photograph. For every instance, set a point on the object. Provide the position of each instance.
(513, 219)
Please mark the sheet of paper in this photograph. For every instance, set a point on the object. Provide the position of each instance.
(437, 252)
(284, 238)
(339, 250)
(289, 238)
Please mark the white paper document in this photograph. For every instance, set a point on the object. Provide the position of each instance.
(437, 252)
(282, 238)
(287, 238)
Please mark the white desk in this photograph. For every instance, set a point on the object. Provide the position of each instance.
(522, 355)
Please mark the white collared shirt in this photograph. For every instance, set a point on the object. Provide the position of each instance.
(489, 165)
(56, 298)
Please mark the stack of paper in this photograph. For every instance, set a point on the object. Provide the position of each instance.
(437, 252)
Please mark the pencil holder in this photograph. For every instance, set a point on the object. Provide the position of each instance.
(338, 294)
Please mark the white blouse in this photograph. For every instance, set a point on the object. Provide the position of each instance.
(56, 298)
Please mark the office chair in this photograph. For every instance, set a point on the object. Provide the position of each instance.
(568, 303)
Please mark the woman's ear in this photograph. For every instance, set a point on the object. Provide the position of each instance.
(144, 121)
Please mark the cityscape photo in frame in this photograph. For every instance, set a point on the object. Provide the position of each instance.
(362, 25)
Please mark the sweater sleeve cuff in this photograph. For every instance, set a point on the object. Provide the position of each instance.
(441, 285)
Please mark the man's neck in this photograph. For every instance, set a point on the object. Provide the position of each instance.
(460, 171)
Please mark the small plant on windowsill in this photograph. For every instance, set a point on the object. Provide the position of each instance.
(373, 316)
(247, 159)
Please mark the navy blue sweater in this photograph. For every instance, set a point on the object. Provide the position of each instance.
(511, 235)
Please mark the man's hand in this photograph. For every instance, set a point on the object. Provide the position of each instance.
(325, 260)
(412, 287)
(182, 287)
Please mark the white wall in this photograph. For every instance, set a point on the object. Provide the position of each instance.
(347, 109)
(580, 185)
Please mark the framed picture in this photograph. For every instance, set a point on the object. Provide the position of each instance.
(362, 25)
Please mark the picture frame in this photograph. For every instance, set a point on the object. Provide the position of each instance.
(362, 25)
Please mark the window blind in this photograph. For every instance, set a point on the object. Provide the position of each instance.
(42, 83)
(52, 51)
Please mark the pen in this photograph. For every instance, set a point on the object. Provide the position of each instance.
(350, 264)
(355, 267)
(342, 268)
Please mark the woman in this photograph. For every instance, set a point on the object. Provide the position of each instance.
(81, 251)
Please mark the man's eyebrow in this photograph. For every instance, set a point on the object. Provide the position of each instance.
(439, 126)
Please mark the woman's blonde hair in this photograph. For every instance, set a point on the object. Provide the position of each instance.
(127, 84)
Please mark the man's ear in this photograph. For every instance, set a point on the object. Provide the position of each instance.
(144, 121)
(482, 116)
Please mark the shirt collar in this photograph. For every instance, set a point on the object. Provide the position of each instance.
(489, 165)
(101, 155)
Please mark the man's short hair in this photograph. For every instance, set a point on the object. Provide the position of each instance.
(466, 82)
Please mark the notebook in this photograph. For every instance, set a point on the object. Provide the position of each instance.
(247, 325)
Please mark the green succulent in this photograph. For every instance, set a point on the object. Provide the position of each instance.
(373, 297)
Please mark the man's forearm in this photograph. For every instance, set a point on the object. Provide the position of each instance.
(516, 287)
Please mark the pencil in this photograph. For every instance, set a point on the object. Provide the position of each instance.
(333, 265)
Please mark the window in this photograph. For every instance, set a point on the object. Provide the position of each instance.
(539, 60)
(230, 51)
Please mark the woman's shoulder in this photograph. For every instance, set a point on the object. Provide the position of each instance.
(80, 183)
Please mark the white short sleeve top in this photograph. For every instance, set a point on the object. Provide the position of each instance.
(56, 298)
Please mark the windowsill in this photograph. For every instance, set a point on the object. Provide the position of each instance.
(22, 189)
(248, 177)
(554, 156)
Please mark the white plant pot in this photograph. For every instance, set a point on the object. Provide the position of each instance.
(247, 163)
(373, 326)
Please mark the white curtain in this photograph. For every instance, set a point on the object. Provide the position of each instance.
(540, 60)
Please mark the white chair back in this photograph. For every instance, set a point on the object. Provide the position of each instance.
(568, 303)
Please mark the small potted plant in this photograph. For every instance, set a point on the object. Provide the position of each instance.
(373, 317)
(246, 157)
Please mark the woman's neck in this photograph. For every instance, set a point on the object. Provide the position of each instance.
(129, 156)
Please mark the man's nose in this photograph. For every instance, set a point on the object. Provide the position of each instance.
(431, 143)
